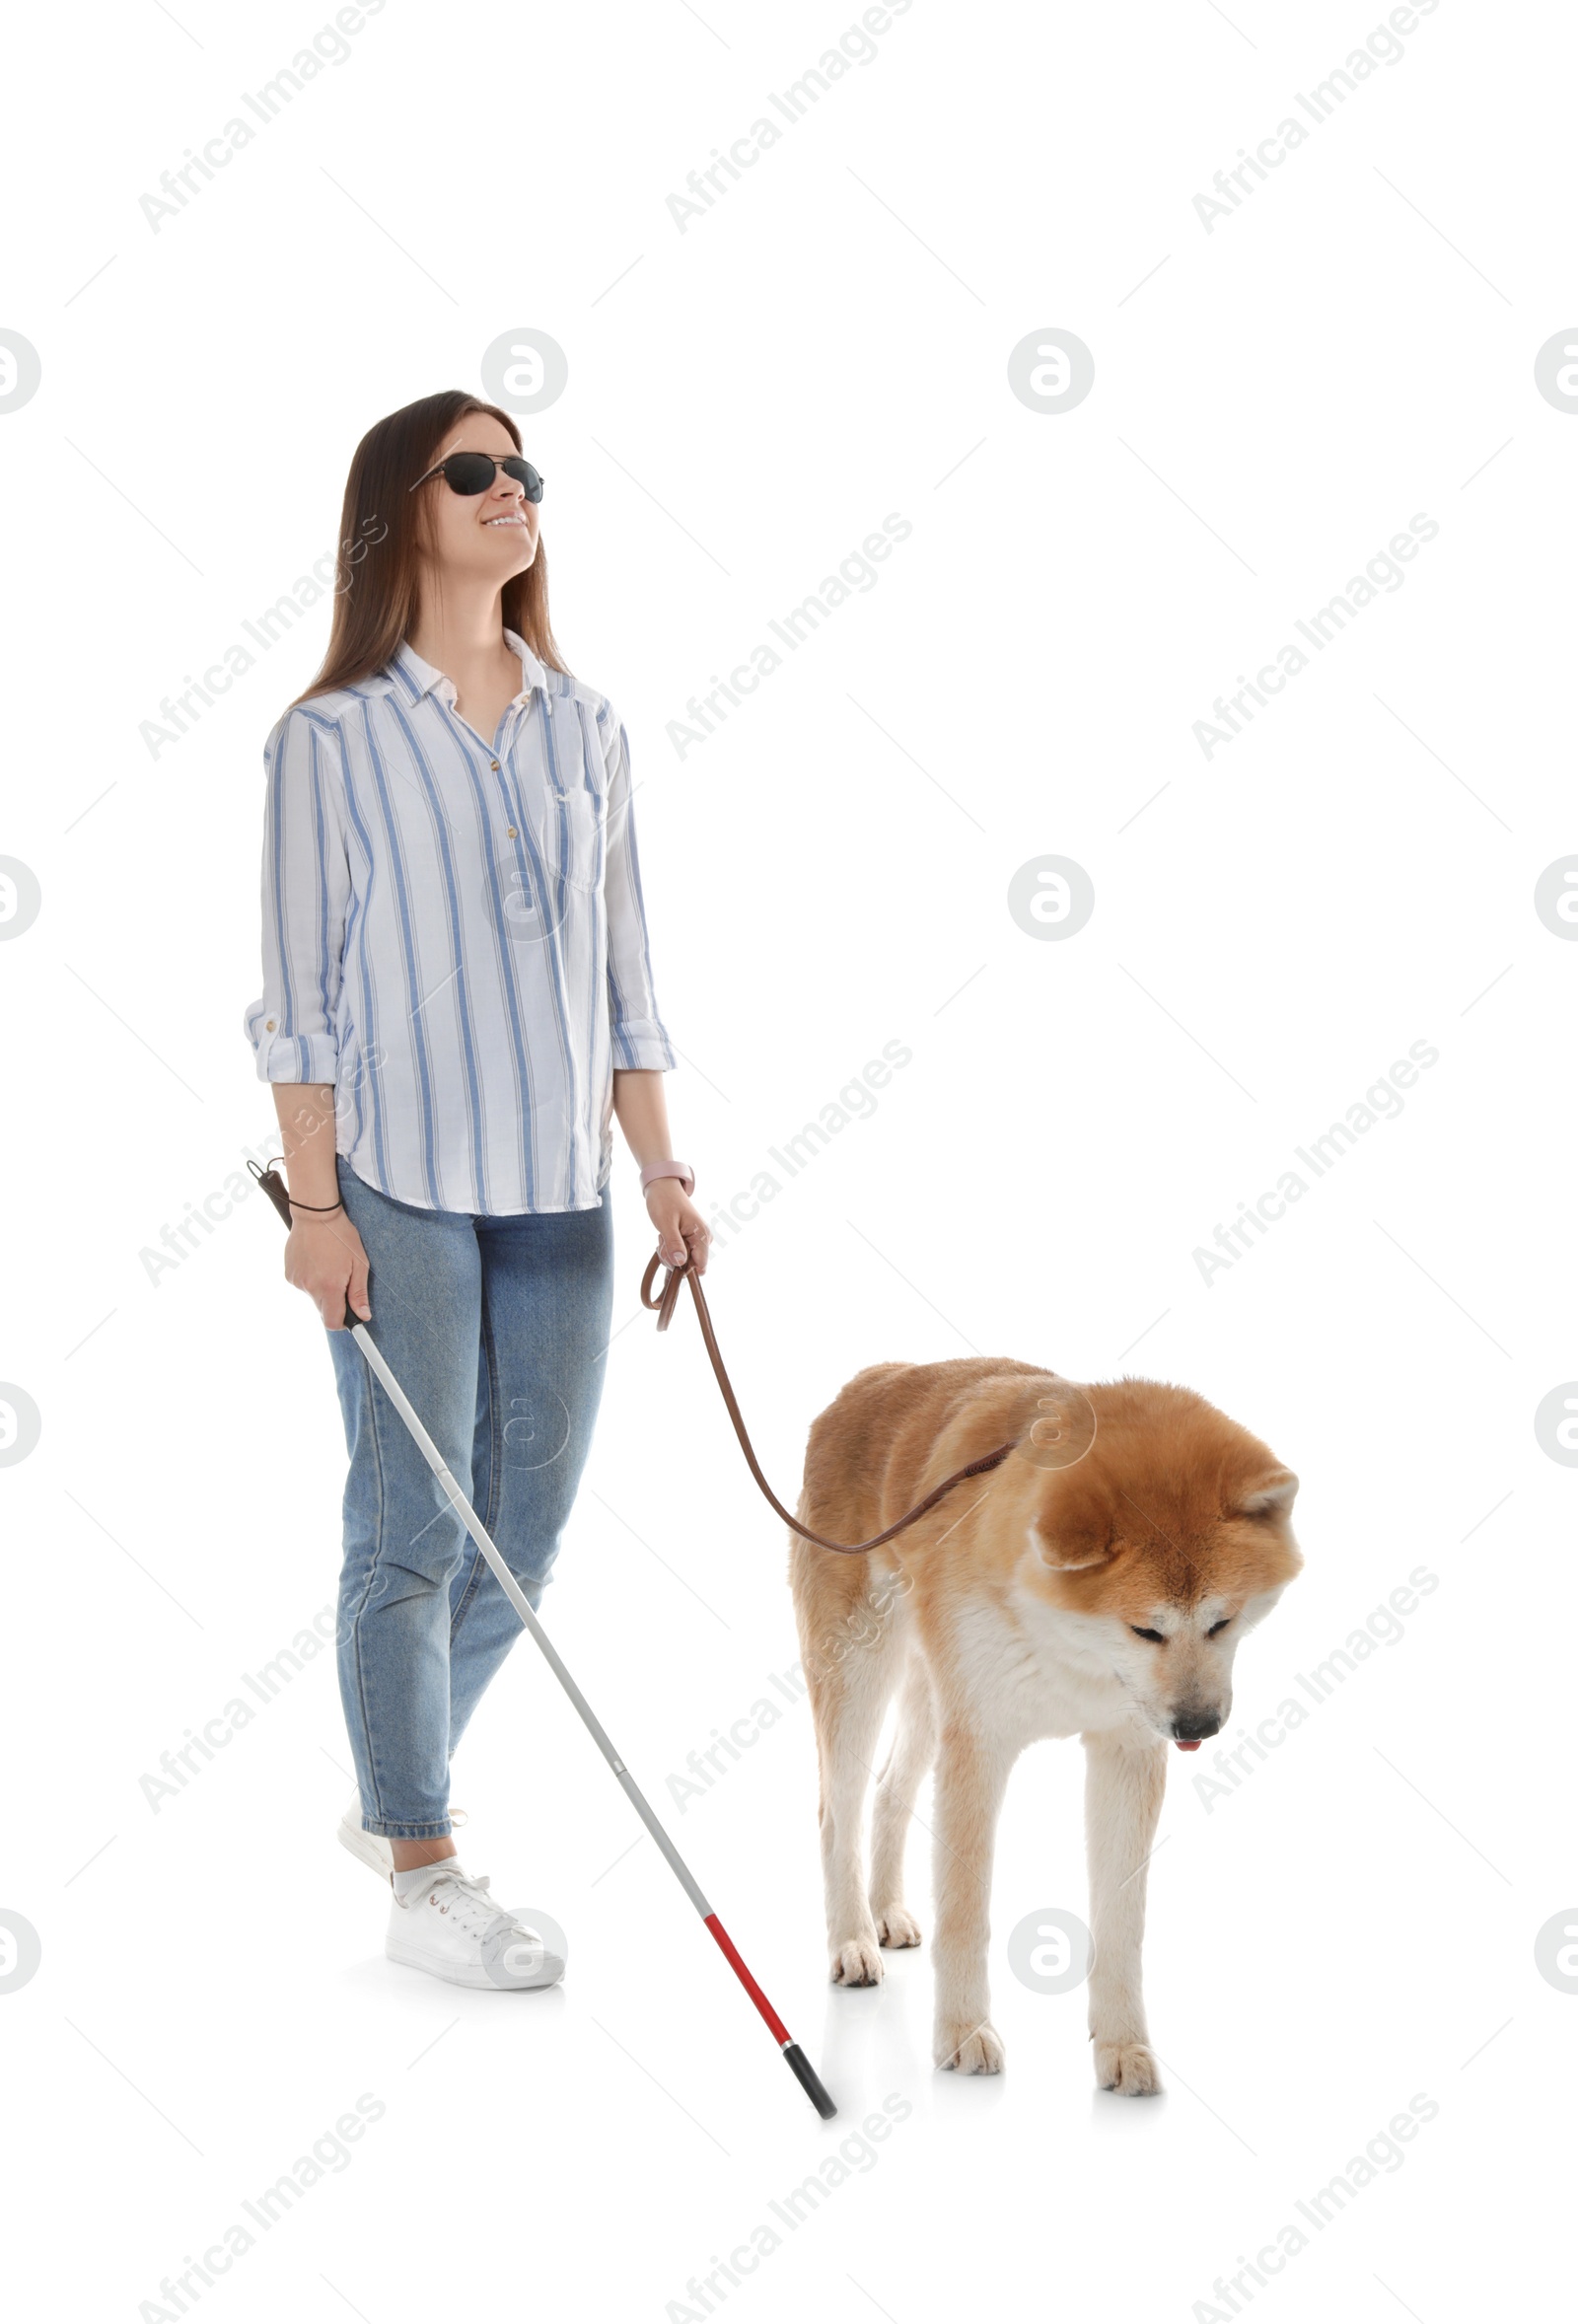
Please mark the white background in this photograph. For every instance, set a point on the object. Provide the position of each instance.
(828, 343)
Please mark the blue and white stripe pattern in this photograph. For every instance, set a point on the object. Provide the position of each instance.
(453, 934)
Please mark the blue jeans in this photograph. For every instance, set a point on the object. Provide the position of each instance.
(497, 1330)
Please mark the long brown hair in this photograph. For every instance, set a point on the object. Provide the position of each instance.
(376, 566)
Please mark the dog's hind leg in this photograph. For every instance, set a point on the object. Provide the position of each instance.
(1125, 1781)
(915, 1747)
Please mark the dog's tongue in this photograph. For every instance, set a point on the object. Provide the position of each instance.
(1186, 1746)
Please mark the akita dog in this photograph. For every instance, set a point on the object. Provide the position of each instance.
(1096, 1583)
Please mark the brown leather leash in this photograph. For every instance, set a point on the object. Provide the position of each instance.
(665, 1304)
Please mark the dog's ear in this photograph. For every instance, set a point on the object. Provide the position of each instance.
(1074, 1526)
(1069, 1540)
(1268, 1495)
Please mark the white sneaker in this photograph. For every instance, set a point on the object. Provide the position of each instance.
(452, 1928)
(371, 1847)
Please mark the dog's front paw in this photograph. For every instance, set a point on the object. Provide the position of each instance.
(961, 2047)
(897, 1925)
(857, 1961)
(1127, 2068)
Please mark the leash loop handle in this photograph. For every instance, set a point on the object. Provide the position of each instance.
(664, 1306)
(667, 1299)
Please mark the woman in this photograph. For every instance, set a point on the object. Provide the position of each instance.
(457, 1001)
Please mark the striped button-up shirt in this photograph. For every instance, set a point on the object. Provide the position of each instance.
(453, 935)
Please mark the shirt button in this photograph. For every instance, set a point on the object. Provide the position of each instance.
(269, 1027)
(495, 767)
(509, 834)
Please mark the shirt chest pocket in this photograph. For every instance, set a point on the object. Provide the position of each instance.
(574, 835)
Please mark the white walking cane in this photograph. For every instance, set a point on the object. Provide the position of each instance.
(794, 2057)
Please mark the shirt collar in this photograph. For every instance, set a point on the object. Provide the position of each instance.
(421, 677)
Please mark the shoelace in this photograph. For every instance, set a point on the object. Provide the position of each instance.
(469, 1904)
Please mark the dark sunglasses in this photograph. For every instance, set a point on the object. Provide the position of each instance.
(471, 473)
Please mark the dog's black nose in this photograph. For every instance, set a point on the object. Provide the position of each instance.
(1193, 1726)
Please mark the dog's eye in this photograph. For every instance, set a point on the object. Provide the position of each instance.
(1217, 1628)
(1154, 1634)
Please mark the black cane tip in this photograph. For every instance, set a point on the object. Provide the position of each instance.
(806, 2076)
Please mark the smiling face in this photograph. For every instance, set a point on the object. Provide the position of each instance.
(1166, 1543)
(486, 536)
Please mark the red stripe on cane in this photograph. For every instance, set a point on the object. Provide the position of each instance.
(776, 2024)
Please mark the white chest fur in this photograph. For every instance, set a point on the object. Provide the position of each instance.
(1028, 1669)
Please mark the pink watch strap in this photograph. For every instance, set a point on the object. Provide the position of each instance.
(680, 1170)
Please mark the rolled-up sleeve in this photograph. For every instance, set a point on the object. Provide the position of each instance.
(639, 1037)
(306, 897)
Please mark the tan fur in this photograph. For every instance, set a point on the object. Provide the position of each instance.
(1006, 1614)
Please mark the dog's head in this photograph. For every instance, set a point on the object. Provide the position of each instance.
(1166, 1541)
